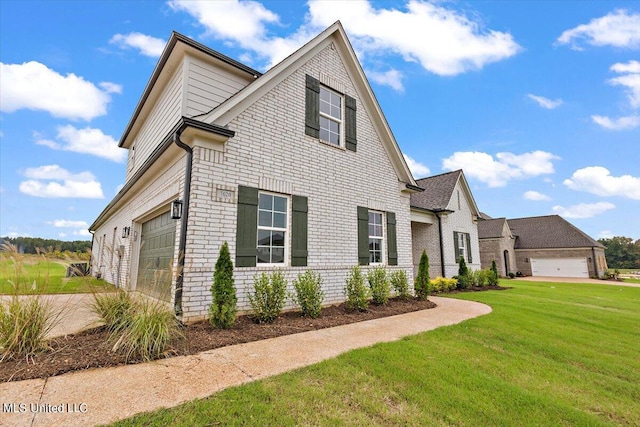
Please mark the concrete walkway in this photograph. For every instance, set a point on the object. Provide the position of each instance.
(105, 395)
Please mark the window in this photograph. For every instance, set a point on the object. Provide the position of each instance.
(272, 228)
(330, 116)
(461, 246)
(375, 237)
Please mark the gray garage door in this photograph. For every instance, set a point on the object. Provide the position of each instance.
(156, 257)
(560, 267)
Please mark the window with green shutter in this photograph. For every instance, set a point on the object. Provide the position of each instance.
(329, 115)
(462, 246)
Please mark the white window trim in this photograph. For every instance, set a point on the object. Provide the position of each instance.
(340, 122)
(381, 238)
(287, 231)
(462, 246)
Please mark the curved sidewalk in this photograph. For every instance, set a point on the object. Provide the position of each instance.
(105, 395)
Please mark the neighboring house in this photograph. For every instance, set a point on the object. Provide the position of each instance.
(444, 223)
(540, 246)
(295, 168)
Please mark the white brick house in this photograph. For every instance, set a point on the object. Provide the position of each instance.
(295, 168)
(444, 223)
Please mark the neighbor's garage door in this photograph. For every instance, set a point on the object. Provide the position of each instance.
(156, 256)
(560, 267)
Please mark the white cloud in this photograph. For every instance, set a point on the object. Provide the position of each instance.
(535, 195)
(147, 45)
(82, 232)
(605, 234)
(619, 29)
(506, 166)
(629, 67)
(621, 123)
(598, 180)
(546, 102)
(33, 86)
(65, 223)
(391, 78)
(43, 182)
(631, 80)
(583, 210)
(87, 140)
(443, 41)
(417, 169)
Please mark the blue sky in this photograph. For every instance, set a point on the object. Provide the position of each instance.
(538, 101)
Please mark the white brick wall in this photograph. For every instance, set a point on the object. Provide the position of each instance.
(461, 221)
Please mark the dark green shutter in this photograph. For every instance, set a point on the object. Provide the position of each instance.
(247, 227)
(363, 235)
(469, 248)
(299, 231)
(392, 244)
(456, 246)
(350, 123)
(312, 107)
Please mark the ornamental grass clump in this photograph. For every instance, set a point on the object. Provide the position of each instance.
(223, 308)
(114, 309)
(308, 293)
(355, 290)
(152, 329)
(269, 296)
(379, 285)
(400, 284)
(421, 282)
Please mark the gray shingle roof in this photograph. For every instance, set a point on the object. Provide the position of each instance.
(437, 191)
(550, 231)
(490, 228)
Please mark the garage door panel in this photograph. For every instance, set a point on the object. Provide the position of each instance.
(156, 257)
(560, 267)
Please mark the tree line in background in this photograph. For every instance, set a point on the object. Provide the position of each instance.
(35, 245)
(622, 252)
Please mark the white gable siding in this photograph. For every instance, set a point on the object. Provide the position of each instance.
(272, 152)
(163, 116)
(209, 85)
(461, 221)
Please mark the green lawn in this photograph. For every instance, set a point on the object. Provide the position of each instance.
(22, 272)
(549, 354)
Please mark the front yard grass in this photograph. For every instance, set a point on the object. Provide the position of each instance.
(549, 354)
(38, 275)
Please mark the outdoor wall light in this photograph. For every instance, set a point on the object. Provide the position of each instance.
(125, 232)
(176, 209)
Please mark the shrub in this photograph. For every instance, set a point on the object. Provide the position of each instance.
(443, 285)
(421, 283)
(400, 284)
(269, 296)
(379, 285)
(223, 308)
(308, 293)
(464, 276)
(152, 328)
(480, 278)
(511, 275)
(24, 325)
(114, 309)
(494, 279)
(355, 290)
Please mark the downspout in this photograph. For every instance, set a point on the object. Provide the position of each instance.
(182, 245)
(441, 244)
(595, 264)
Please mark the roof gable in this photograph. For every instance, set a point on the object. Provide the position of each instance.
(492, 228)
(439, 189)
(224, 113)
(550, 231)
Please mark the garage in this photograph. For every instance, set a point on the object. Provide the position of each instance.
(560, 267)
(157, 245)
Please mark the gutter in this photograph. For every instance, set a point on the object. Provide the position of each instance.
(438, 212)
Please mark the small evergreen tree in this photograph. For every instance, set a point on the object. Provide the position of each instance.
(464, 277)
(421, 283)
(495, 277)
(222, 312)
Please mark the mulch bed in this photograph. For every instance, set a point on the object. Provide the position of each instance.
(92, 349)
